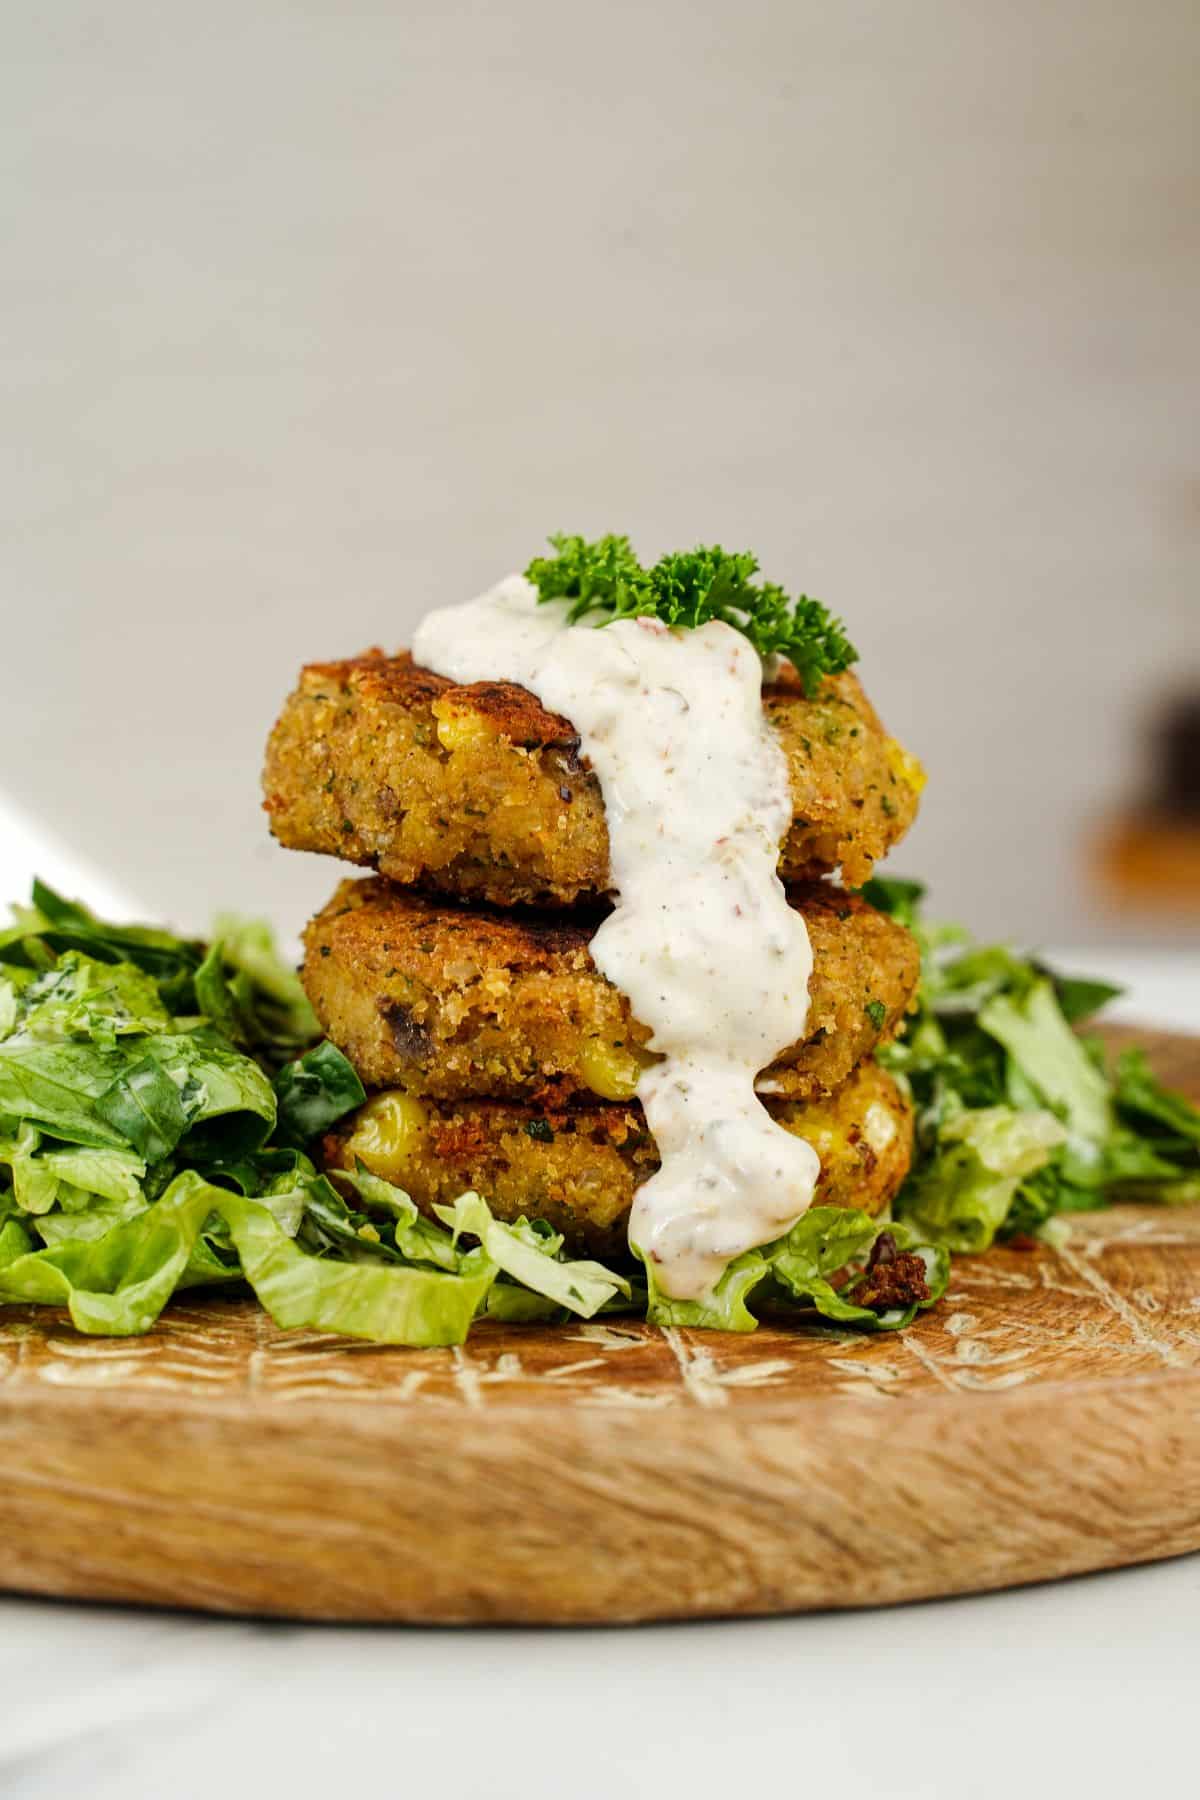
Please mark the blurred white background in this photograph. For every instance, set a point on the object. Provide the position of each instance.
(317, 314)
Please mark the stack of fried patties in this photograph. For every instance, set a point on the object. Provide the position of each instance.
(458, 979)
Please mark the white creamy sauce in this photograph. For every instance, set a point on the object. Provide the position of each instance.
(701, 939)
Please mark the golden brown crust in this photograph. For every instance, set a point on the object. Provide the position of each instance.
(579, 1168)
(384, 680)
(453, 1003)
(478, 791)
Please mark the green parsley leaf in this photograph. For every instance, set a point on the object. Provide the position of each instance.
(688, 588)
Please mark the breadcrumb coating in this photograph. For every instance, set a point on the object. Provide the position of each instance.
(455, 1003)
(578, 1168)
(477, 791)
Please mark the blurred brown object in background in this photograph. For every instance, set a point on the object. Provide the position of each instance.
(1148, 856)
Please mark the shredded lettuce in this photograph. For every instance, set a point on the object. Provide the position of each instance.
(724, 1309)
(962, 1196)
(530, 1258)
(239, 983)
(160, 1101)
(116, 1279)
(151, 1139)
(1051, 1059)
(1019, 1118)
(827, 1242)
(117, 1284)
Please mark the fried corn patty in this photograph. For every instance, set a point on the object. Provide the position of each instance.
(478, 791)
(452, 1003)
(579, 1168)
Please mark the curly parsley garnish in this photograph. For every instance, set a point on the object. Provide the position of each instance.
(688, 588)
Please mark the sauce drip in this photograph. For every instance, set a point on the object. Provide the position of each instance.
(701, 939)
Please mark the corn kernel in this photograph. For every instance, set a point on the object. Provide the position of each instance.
(904, 766)
(612, 1070)
(459, 730)
(386, 1134)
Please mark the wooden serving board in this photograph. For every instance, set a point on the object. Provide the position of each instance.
(1044, 1421)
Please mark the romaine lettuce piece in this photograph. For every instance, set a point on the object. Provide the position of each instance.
(993, 1029)
(1141, 1097)
(582, 1287)
(1052, 1059)
(82, 998)
(387, 1303)
(314, 1092)
(824, 1243)
(94, 1221)
(250, 994)
(56, 1086)
(71, 1178)
(828, 1240)
(961, 1194)
(724, 1309)
(117, 1285)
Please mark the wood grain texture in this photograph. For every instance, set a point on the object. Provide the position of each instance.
(1044, 1421)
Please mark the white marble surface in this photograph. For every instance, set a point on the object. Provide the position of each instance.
(1084, 1687)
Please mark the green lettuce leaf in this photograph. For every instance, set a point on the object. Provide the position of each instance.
(53, 926)
(95, 1061)
(240, 984)
(1052, 1059)
(581, 1287)
(1079, 997)
(115, 1175)
(93, 1221)
(42, 1178)
(724, 1309)
(10, 1004)
(382, 1302)
(249, 993)
(81, 998)
(961, 1195)
(993, 1029)
(145, 1106)
(1143, 1099)
(414, 1237)
(899, 898)
(314, 1092)
(535, 1279)
(117, 1284)
(512, 1305)
(56, 1086)
(825, 1242)
(34, 1186)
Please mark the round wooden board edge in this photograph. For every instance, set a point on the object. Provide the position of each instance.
(724, 1515)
